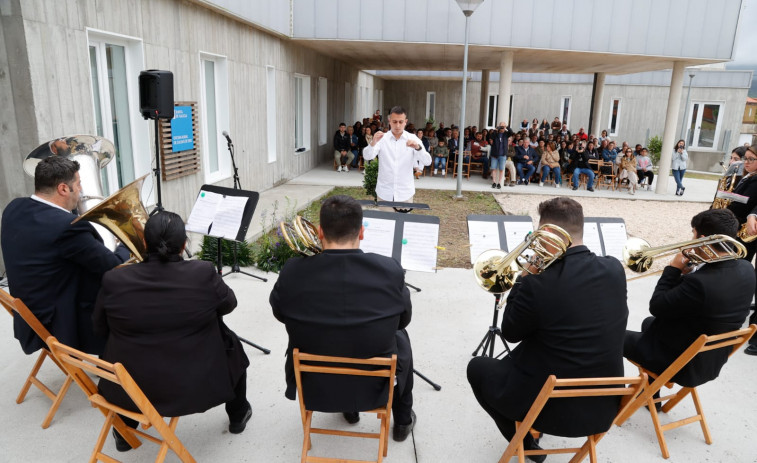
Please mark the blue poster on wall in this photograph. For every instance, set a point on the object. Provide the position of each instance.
(182, 136)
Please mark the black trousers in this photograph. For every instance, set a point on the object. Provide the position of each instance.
(402, 403)
(236, 408)
(485, 376)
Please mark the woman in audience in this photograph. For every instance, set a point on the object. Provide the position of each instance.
(678, 166)
(628, 170)
(544, 126)
(591, 151)
(603, 137)
(550, 160)
(644, 168)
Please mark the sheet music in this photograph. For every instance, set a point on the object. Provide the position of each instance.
(378, 236)
(228, 217)
(203, 211)
(482, 236)
(419, 242)
(614, 236)
(515, 233)
(591, 238)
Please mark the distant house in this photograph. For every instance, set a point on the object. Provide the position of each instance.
(749, 123)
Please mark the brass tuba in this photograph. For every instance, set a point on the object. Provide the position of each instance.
(301, 236)
(639, 256)
(497, 271)
(124, 215)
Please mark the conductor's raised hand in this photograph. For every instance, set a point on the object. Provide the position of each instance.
(378, 136)
(413, 144)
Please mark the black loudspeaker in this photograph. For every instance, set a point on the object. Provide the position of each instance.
(156, 94)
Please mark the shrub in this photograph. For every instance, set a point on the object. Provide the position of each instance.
(270, 252)
(209, 251)
(371, 176)
(655, 148)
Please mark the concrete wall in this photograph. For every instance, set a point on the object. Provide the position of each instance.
(45, 86)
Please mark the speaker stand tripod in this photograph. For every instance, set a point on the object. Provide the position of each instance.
(494, 332)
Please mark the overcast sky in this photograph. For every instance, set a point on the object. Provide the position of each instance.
(746, 42)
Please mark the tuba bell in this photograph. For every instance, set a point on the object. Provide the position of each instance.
(497, 271)
(638, 255)
(124, 215)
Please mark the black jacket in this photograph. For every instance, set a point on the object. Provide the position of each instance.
(521, 152)
(343, 303)
(163, 323)
(341, 141)
(55, 269)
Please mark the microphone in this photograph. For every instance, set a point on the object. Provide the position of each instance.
(228, 138)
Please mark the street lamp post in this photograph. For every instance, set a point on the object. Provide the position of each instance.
(686, 109)
(468, 8)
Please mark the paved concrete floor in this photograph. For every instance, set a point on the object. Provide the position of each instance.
(446, 327)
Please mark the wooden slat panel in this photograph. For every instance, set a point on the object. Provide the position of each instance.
(183, 163)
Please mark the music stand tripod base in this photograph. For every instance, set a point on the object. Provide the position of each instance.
(494, 332)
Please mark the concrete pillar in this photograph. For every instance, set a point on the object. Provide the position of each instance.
(595, 126)
(505, 87)
(669, 134)
(484, 99)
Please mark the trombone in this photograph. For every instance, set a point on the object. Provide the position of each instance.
(638, 255)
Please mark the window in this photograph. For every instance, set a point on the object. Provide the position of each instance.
(214, 106)
(614, 117)
(491, 112)
(347, 102)
(301, 113)
(565, 110)
(270, 107)
(322, 111)
(430, 105)
(114, 64)
(703, 128)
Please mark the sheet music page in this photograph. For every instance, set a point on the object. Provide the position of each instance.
(228, 217)
(203, 211)
(515, 233)
(591, 238)
(482, 237)
(614, 235)
(419, 242)
(378, 236)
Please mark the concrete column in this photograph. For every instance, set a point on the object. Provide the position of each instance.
(484, 99)
(596, 111)
(671, 120)
(505, 87)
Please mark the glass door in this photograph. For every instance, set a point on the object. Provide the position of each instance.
(704, 124)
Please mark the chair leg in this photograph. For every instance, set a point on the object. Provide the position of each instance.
(164, 444)
(56, 403)
(97, 452)
(32, 374)
(658, 428)
(680, 395)
(703, 422)
(382, 440)
(306, 438)
(387, 420)
(592, 449)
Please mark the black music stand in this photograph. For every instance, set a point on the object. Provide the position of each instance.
(494, 332)
(249, 210)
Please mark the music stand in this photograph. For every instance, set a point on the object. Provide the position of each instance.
(251, 201)
(487, 343)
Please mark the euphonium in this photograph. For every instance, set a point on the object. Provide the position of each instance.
(497, 271)
(124, 215)
(639, 256)
(301, 236)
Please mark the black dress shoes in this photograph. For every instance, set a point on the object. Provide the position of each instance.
(751, 349)
(121, 444)
(236, 427)
(351, 417)
(401, 431)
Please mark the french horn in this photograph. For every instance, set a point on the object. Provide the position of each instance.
(301, 236)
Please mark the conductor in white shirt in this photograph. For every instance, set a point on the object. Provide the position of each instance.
(400, 151)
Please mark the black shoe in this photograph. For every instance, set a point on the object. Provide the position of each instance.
(401, 431)
(351, 417)
(236, 427)
(751, 349)
(575, 188)
(121, 444)
(532, 444)
(525, 182)
(499, 186)
(520, 182)
(590, 189)
(494, 185)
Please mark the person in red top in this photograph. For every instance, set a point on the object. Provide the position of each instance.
(479, 151)
(582, 135)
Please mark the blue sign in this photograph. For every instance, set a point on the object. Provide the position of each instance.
(182, 135)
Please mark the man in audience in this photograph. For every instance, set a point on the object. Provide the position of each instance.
(525, 158)
(690, 301)
(342, 153)
(580, 160)
(479, 149)
(543, 317)
(365, 318)
(500, 159)
(556, 125)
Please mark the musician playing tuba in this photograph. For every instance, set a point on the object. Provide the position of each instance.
(688, 302)
(54, 266)
(569, 320)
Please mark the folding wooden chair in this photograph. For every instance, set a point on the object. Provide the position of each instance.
(77, 363)
(15, 306)
(563, 388)
(607, 176)
(476, 166)
(466, 165)
(325, 365)
(703, 343)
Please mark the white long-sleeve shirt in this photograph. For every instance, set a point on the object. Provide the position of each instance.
(395, 176)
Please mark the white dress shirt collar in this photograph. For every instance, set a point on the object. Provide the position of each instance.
(44, 201)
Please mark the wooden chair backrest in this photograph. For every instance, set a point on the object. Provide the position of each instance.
(14, 304)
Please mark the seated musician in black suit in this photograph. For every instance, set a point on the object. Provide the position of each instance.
(348, 303)
(163, 319)
(713, 299)
(54, 266)
(570, 321)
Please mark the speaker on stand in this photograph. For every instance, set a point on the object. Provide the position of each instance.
(156, 102)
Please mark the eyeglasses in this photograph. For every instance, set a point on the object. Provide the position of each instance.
(750, 159)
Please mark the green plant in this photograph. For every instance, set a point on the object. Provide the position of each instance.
(371, 176)
(209, 251)
(655, 148)
(270, 252)
(431, 121)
